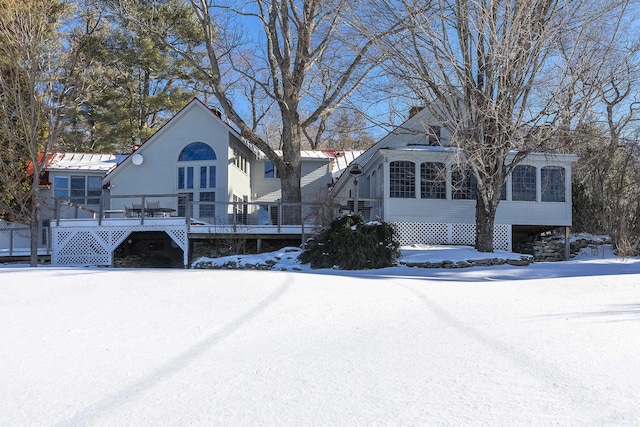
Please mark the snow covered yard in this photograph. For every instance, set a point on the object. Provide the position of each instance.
(548, 344)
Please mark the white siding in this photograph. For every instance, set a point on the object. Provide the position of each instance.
(461, 211)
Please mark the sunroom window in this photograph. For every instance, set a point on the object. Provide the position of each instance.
(463, 184)
(523, 185)
(433, 180)
(402, 179)
(553, 188)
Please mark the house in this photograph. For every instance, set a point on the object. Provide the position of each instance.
(416, 178)
(195, 179)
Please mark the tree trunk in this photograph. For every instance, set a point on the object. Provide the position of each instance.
(291, 173)
(485, 219)
(34, 218)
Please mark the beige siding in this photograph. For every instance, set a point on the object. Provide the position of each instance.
(239, 181)
(265, 189)
(47, 195)
(158, 172)
(316, 177)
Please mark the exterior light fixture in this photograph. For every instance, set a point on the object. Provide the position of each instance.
(355, 170)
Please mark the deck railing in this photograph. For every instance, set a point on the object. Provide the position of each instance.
(16, 241)
(237, 213)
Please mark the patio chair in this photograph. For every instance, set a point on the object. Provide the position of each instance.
(136, 209)
(153, 208)
(130, 212)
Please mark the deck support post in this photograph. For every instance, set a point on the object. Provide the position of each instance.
(259, 245)
(187, 253)
(567, 244)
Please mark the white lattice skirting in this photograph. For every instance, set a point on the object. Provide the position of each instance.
(449, 234)
(95, 245)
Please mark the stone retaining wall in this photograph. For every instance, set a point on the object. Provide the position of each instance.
(551, 249)
(487, 262)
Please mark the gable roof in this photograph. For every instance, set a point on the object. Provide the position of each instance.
(195, 103)
(409, 132)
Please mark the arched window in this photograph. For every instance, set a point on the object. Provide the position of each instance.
(433, 180)
(552, 184)
(402, 179)
(523, 185)
(197, 151)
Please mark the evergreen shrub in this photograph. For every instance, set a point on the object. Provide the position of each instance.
(350, 244)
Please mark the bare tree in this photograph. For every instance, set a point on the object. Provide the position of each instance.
(607, 174)
(496, 73)
(346, 129)
(307, 56)
(35, 65)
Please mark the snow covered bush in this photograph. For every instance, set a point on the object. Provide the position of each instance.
(351, 244)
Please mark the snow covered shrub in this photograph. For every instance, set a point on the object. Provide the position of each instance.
(350, 244)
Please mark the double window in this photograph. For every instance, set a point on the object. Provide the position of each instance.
(524, 183)
(78, 189)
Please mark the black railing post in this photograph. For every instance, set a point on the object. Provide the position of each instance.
(100, 211)
(11, 242)
(142, 211)
(187, 212)
(49, 236)
(302, 227)
(279, 214)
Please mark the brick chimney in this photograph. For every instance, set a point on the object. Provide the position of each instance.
(216, 111)
(414, 110)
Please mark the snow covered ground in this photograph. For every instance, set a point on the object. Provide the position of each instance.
(549, 344)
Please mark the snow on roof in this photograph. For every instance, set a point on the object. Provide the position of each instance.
(421, 147)
(83, 161)
(310, 154)
(342, 160)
